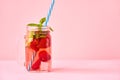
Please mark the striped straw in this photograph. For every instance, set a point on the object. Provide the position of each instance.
(49, 12)
(31, 61)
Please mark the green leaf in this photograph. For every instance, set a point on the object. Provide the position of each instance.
(51, 29)
(42, 20)
(33, 24)
(39, 25)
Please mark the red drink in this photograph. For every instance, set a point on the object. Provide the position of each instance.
(38, 49)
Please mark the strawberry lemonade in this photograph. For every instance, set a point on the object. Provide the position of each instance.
(38, 47)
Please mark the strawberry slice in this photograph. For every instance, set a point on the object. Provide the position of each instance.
(34, 44)
(36, 65)
(44, 56)
(44, 42)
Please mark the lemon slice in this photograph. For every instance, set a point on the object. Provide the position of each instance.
(28, 41)
(31, 34)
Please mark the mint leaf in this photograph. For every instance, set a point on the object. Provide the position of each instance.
(42, 20)
(33, 24)
(39, 25)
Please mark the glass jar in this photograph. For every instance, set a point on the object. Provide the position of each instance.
(38, 49)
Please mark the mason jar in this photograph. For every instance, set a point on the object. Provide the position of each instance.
(38, 49)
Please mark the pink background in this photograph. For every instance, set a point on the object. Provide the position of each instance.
(83, 29)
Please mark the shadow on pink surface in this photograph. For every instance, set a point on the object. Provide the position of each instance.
(84, 70)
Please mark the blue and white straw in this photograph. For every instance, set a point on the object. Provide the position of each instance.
(31, 61)
(49, 13)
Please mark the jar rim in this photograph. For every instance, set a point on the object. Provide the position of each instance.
(34, 28)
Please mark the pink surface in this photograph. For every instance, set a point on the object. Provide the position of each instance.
(64, 70)
(83, 29)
